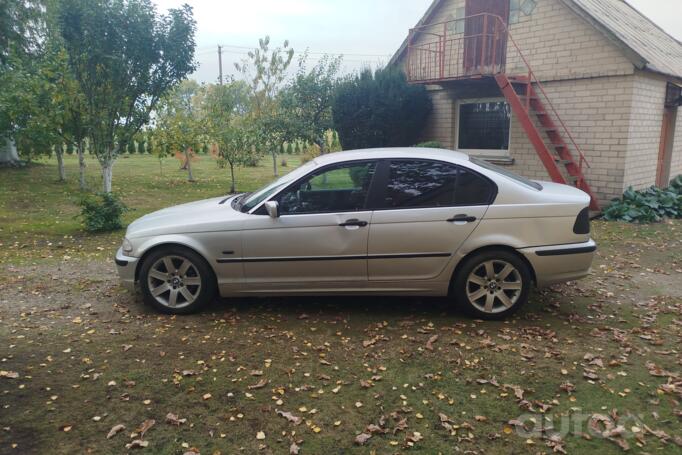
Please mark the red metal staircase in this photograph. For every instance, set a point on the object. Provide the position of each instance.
(477, 47)
(525, 102)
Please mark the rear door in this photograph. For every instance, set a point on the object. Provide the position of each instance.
(426, 211)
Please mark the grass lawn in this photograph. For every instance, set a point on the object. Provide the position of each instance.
(593, 366)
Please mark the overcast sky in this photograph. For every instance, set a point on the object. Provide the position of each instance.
(366, 32)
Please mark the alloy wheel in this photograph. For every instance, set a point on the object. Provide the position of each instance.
(494, 286)
(174, 282)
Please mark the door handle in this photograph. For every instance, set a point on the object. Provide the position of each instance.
(354, 222)
(462, 219)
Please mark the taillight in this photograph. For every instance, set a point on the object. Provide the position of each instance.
(582, 223)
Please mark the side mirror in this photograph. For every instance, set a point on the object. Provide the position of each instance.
(272, 207)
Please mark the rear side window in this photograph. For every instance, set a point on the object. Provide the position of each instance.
(422, 184)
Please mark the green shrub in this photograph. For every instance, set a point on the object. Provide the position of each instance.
(379, 110)
(647, 206)
(102, 212)
(676, 184)
(430, 145)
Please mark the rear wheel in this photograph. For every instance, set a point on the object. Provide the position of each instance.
(176, 280)
(493, 284)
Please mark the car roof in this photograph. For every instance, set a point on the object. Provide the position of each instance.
(397, 152)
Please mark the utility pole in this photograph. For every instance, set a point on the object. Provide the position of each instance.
(220, 63)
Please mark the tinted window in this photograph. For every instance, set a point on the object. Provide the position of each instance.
(434, 184)
(473, 189)
(339, 189)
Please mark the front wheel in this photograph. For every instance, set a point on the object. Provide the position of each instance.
(176, 280)
(493, 284)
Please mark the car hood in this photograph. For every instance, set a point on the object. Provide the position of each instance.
(201, 216)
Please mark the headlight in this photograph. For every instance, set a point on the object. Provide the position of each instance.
(127, 246)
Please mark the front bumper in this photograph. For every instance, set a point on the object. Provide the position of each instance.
(126, 266)
(561, 263)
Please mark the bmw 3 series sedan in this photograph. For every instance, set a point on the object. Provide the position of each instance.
(417, 222)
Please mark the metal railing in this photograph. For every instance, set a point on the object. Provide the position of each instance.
(473, 47)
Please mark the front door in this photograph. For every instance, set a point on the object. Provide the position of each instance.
(428, 210)
(485, 36)
(321, 234)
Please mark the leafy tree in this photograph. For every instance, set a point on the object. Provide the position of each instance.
(297, 148)
(125, 57)
(379, 110)
(22, 25)
(130, 148)
(141, 146)
(179, 124)
(290, 149)
(266, 70)
(308, 100)
(229, 128)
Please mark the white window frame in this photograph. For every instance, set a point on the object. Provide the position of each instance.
(481, 152)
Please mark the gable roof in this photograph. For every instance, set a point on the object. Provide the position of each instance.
(644, 42)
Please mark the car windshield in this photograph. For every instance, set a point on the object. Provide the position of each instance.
(506, 173)
(253, 199)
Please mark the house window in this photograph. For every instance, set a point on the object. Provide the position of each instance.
(483, 126)
(517, 8)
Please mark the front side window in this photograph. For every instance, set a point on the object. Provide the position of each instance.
(422, 184)
(483, 126)
(342, 188)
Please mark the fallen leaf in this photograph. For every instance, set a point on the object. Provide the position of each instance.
(137, 444)
(260, 435)
(259, 385)
(116, 429)
(289, 416)
(174, 420)
(9, 374)
(429, 344)
(293, 449)
(362, 438)
(146, 426)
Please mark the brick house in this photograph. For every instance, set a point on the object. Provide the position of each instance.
(577, 91)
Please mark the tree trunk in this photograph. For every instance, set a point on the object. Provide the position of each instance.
(233, 188)
(81, 165)
(8, 153)
(190, 177)
(59, 151)
(274, 163)
(107, 168)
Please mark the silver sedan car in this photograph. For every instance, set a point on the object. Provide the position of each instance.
(405, 221)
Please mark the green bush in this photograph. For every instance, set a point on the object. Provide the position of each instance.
(647, 206)
(379, 110)
(430, 145)
(102, 212)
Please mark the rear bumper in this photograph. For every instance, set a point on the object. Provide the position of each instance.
(561, 263)
(126, 267)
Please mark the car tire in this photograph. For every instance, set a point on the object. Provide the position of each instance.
(493, 284)
(176, 280)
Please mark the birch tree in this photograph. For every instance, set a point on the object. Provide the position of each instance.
(124, 57)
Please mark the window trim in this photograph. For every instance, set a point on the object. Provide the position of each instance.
(492, 153)
(382, 175)
(323, 169)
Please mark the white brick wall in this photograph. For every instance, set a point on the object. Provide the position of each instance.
(597, 113)
(644, 135)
